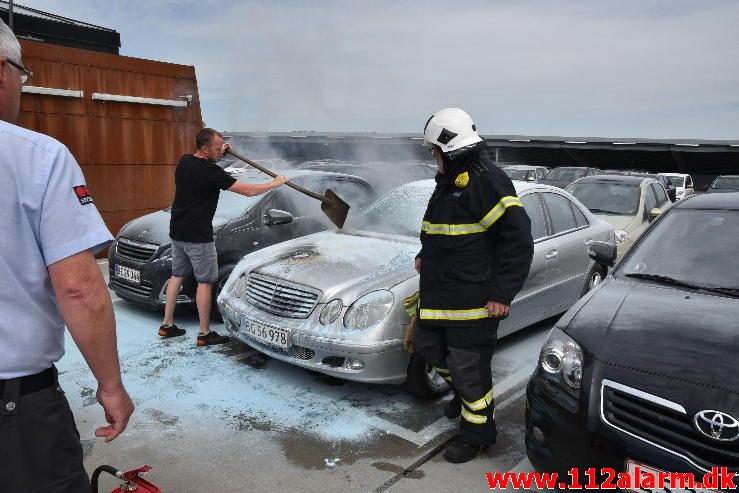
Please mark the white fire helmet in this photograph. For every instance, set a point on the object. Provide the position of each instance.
(450, 129)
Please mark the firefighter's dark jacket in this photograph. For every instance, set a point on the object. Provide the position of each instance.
(476, 243)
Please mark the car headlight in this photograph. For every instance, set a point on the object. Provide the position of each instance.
(368, 310)
(561, 359)
(166, 254)
(237, 288)
(621, 236)
(330, 312)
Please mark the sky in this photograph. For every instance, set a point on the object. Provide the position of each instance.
(630, 68)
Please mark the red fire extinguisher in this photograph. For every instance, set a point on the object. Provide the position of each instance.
(131, 480)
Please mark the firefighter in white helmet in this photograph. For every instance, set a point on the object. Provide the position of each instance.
(475, 256)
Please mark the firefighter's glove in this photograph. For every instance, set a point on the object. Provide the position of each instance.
(408, 339)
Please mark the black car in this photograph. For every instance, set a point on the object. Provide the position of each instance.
(140, 260)
(642, 371)
(564, 175)
(724, 184)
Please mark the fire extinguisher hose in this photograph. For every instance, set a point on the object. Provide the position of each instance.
(96, 474)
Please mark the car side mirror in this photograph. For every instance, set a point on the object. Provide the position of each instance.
(276, 216)
(654, 213)
(603, 252)
(531, 178)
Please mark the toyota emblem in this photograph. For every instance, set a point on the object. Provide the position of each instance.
(717, 425)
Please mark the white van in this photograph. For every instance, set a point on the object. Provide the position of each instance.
(683, 183)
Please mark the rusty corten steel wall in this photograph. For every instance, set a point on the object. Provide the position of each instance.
(127, 151)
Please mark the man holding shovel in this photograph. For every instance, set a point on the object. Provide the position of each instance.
(198, 183)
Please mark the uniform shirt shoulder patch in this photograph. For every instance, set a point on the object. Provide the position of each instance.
(462, 180)
(83, 194)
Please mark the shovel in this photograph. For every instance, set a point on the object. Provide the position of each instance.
(331, 204)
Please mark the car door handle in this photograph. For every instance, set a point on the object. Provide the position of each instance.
(588, 242)
(552, 254)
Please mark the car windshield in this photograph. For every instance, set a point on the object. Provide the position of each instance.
(607, 198)
(232, 205)
(727, 183)
(562, 174)
(516, 174)
(693, 246)
(677, 181)
(400, 211)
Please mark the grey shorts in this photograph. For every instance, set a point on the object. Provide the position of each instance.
(199, 259)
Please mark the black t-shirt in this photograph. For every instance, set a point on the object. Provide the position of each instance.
(198, 183)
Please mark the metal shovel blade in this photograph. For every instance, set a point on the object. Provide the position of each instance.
(335, 208)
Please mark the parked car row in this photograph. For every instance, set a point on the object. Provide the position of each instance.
(628, 200)
(677, 185)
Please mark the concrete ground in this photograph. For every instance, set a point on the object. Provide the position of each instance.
(226, 418)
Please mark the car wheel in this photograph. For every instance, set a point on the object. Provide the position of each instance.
(223, 274)
(423, 381)
(595, 276)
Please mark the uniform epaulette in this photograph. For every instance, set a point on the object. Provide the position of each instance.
(479, 168)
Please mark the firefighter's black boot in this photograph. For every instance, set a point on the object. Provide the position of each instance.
(453, 408)
(460, 451)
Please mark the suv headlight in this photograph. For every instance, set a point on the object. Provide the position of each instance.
(621, 236)
(166, 254)
(368, 310)
(330, 312)
(562, 361)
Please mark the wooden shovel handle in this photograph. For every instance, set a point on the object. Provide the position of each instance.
(274, 175)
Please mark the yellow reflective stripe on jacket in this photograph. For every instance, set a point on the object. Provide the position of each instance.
(480, 227)
(480, 404)
(474, 418)
(410, 304)
(473, 314)
(451, 229)
(498, 210)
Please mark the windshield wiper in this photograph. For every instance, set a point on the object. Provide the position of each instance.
(678, 282)
(603, 211)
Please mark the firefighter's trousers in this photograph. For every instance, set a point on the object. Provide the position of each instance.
(462, 356)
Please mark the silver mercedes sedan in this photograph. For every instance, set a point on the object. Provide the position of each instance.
(333, 301)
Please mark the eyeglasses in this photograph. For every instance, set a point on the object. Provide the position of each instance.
(26, 74)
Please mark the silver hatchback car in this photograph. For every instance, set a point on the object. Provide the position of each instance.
(333, 301)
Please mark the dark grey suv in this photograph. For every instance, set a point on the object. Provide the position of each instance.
(140, 261)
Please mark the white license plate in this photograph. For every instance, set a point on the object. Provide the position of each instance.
(631, 470)
(272, 336)
(128, 274)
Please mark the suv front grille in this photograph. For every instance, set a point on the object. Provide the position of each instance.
(281, 297)
(668, 426)
(133, 250)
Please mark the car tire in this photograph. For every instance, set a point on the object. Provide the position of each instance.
(595, 276)
(223, 274)
(423, 381)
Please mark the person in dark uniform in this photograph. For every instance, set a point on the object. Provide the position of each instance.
(476, 253)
